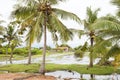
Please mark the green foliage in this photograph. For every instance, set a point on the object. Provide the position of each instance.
(94, 70)
(55, 67)
(78, 47)
(20, 68)
(81, 50)
(115, 50)
(118, 71)
(36, 51)
(79, 53)
(21, 51)
(3, 50)
(65, 45)
(82, 69)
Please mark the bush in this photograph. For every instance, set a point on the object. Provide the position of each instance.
(25, 51)
(79, 53)
(3, 50)
(21, 51)
(36, 51)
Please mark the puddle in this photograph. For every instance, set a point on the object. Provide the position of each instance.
(57, 59)
(66, 75)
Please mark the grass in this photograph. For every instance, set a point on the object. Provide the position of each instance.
(20, 68)
(3, 57)
(82, 69)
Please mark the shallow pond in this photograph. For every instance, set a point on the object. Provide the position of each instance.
(57, 59)
(67, 75)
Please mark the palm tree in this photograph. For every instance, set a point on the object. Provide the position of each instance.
(14, 43)
(30, 39)
(42, 17)
(11, 34)
(8, 37)
(109, 29)
(91, 18)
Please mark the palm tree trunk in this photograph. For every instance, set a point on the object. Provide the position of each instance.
(42, 67)
(7, 51)
(11, 56)
(91, 52)
(29, 56)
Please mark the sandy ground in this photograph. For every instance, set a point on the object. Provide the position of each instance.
(24, 76)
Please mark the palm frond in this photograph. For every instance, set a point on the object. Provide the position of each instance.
(41, 1)
(78, 32)
(27, 2)
(115, 50)
(61, 29)
(84, 47)
(54, 37)
(115, 2)
(39, 26)
(30, 37)
(101, 46)
(21, 12)
(2, 29)
(55, 1)
(36, 29)
(66, 15)
(101, 24)
(92, 16)
(108, 33)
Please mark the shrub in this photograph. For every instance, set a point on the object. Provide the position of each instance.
(3, 50)
(79, 53)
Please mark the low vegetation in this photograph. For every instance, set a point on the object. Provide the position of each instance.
(82, 69)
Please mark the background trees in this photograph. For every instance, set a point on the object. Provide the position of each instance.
(12, 38)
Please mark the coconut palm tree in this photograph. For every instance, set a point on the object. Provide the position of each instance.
(41, 16)
(30, 39)
(109, 29)
(13, 44)
(91, 18)
(11, 34)
(8, 37)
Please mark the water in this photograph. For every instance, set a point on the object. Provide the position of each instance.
(57, 59)
(66, 75)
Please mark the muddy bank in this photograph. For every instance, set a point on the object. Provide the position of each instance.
(24, 76)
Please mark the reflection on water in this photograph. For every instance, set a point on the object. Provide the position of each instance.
(66, 75)
(56, 58)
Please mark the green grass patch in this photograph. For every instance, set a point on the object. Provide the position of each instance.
(82, 69)
(20, 68)
(54, 67)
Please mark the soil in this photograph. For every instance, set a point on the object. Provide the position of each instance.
(24, 76)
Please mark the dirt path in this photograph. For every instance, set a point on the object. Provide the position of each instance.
(24, 76)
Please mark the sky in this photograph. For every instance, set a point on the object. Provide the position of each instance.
(77, 7)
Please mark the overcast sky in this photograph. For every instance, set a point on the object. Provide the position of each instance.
(76, 6)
